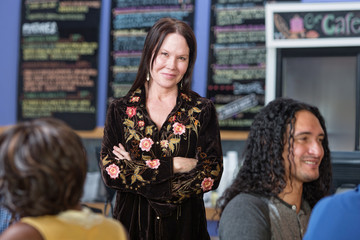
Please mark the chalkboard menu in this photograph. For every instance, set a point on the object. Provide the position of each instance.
(237, 54)
(316, 24)
(130, 22)
(58, 74)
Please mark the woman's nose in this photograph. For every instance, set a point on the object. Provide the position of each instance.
(171, 62)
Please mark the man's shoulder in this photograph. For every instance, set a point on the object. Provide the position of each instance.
(251, 197)
(247, 215)
(248, 201)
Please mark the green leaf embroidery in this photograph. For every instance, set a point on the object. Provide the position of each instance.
(129, 138)
(140, 178)
(172, 147)
(216, 172)
(105, 161)
(149, 130)
(133, 179)
(129, 123)
(174, 140)
(146, 158)
(197, 110)
(122, 176)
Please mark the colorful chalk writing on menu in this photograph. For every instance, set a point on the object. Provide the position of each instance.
(237, 55)
(130, 22)
(316, 25)
(58, 64)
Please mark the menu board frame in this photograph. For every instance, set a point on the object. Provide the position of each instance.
(273, 43)
(58, 61)
(288, 12)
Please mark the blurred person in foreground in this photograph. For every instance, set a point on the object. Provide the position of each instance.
(43, 167)
(336, 217)
(161, 148)
(286, 170)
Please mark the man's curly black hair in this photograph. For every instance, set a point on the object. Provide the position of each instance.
(263, 169)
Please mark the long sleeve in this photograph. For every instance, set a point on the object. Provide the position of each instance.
(207, 174)
(191, 131)
(145, 174)
(245, 217)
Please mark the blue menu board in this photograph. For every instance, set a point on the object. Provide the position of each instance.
(130, 22)
(237, 54)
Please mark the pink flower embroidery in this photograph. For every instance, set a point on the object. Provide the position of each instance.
(131, 111)
(141, 123)
(207, 184)
(153, 164)
(145, 144)
(113, 170)
(134, 99)
(178, 128)
(164, 143)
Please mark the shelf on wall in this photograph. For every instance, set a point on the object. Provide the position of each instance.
(233, 135)
(98, 133)
(225, 134)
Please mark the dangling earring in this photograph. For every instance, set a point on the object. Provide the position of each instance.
(147, 77)
(181, 84)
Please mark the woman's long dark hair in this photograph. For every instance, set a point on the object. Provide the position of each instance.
(263, 169)
(43, 167)
(153, 42)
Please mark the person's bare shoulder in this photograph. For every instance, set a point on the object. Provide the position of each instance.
(21, 231)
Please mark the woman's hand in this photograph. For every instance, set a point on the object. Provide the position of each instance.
(182, 165)
(121, 153)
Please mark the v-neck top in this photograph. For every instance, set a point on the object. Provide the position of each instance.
(147, 188)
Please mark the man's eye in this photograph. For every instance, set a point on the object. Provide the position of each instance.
(302, 139)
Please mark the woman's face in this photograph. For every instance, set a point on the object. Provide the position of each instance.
(171, 63)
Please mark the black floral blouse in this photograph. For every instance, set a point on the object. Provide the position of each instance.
(152, 201)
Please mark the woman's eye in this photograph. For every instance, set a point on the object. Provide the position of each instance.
(164, 53)
(182, 58)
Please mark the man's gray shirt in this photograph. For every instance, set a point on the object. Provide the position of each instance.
(252, 217)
